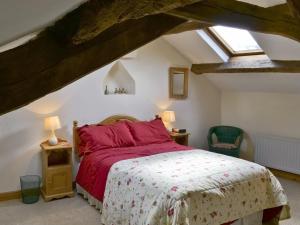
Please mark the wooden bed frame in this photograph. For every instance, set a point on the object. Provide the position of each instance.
(108, 121)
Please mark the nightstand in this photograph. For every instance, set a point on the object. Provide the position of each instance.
(57, 170)
(180, 138)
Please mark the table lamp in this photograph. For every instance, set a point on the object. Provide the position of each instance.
(52, 123)
(168, 117)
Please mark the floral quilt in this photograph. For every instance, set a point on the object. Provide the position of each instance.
(192, 187)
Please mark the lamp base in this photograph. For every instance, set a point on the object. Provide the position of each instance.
(53, 140)
(169, 129)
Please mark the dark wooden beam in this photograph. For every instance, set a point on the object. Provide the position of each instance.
(45, 64)
(188, 26)
(242, 15)
(248, 66)
(96, 16)
(294, 6)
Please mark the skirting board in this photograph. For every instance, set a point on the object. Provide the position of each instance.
(17, 194)
(10, 195)
(286, 175)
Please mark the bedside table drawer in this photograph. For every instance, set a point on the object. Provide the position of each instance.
(59, 180)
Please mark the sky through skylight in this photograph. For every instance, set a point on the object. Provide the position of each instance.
(237, 39)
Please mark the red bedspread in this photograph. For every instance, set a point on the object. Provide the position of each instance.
(94, 167)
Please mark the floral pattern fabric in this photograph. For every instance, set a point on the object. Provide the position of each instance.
(193, 187)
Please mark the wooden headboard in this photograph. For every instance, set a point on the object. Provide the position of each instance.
(109, 120)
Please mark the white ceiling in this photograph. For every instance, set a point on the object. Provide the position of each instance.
(264, 3)
(196, 49)
(193, 47)
(278, 47)
(20, 17)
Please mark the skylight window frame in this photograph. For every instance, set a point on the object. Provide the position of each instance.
(223, 44)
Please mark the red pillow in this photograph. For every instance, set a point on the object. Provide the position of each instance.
(152, 132)
(97, 137)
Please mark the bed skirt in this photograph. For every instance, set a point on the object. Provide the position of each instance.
(255, 218)
(91, 200)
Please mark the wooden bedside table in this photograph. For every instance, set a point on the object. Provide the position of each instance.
(180, 138)
(57, 170)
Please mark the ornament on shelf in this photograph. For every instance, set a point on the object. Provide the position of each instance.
(106, 92)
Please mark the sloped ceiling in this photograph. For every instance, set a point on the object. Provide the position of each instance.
(278, 47)
(264, 3)
(193, 47)
(22, 17)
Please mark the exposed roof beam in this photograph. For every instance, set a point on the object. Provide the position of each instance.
(95, 16)
(188, 26)
(44, 65)
(273, 20)
(248, 66)
(294, 6)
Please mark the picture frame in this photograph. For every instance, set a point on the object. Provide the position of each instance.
(178, 82)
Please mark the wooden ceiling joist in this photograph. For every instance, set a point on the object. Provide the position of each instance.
(294, 6)
(273, 20)
(248, 66)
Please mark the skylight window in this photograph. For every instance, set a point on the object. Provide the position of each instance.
(236, 41)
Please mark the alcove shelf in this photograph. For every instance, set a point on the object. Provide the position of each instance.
(119, 78)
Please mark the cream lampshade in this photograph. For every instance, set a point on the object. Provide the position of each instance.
(168, 117)
(52, 123)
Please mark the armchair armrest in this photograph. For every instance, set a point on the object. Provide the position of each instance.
(209, 136)
(239, 140)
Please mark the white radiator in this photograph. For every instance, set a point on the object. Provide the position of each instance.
(278, 152)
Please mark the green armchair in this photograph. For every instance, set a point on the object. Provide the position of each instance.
(228, 140)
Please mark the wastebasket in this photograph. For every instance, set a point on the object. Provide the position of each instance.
(30, 188)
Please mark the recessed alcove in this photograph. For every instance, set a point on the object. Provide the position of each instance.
(118, 78)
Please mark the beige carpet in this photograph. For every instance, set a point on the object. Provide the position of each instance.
(76, 211)
(292, 189)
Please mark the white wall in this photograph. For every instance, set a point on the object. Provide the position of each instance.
(261, 113)
(267, 113)
(286, 83)
(22, 131)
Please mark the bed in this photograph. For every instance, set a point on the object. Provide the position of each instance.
(144, 180)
